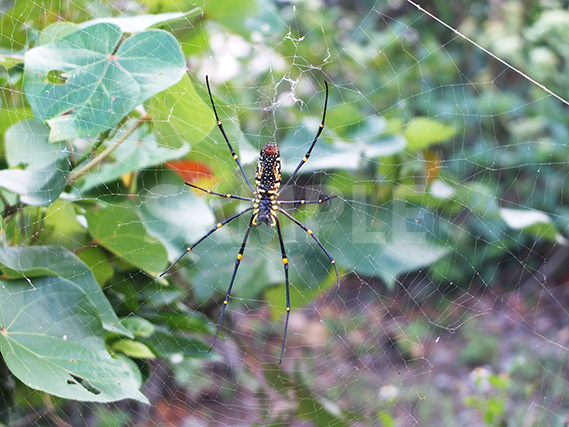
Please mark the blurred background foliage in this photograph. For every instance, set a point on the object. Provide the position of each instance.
(446, 165)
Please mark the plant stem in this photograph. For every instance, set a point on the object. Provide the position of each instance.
(82, 171)
(96, 145)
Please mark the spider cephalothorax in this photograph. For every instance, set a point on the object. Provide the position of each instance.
(268, 181)
(265, 208)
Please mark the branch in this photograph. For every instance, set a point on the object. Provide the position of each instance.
(82, 171)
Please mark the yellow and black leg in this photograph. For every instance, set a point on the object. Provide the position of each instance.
(311, 233)
(285, 264)
(307, 155)
(226, 196)
(205, 236)
(220, 126)
(226, 300)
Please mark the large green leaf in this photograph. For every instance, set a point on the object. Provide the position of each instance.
(119, 230)
(51, 338)
(62, 228)
(102, 81)
(8, 60)
(215, 261)
(37, 261)
(179, 114)
(385, 242)
(46, 165)
(37, 187)
(10, 116)
(26, 144)
(181, 318)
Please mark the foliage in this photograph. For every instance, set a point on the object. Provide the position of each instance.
(101, 120)
(83, 84)
(490, 396)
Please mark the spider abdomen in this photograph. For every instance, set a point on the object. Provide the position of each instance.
(267, 181)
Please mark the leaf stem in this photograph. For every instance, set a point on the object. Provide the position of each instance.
(82, 171)
(96, 145)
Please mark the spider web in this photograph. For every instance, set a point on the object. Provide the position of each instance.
(448, 163)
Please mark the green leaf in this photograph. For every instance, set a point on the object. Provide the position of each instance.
(369, 143)
(158, 296)
(133, 349)
(535, 222)
(98, 263)
(215, 260)
(51, 338)
(101, 83)
(160, 212)
(140, 327)
(119, 230)
(35, 261)
(8, 117)
(236, 15)
(46, 164)
(37, 187)
(422, 132)
(8, 60)
(179, 114)
(167, 344)
(478, 197)
(138, 23)
(343, 117)
(381, 241)
(138, 151)
(56, 31)
(62, 228)
(183, 319)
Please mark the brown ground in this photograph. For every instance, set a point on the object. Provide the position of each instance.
(413, 354)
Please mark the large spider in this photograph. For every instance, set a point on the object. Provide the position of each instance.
(265, 207)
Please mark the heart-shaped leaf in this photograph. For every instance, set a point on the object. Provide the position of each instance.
(51, 338)
(36, 261)
(97, 81)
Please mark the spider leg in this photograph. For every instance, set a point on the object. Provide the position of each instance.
(307, 155)
(311, 233)
(305, 202)
(237, 262)
(235, 157)
(227, 196)
(205, 236)
(285, 263)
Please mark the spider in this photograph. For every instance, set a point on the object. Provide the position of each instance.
(265, 207)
